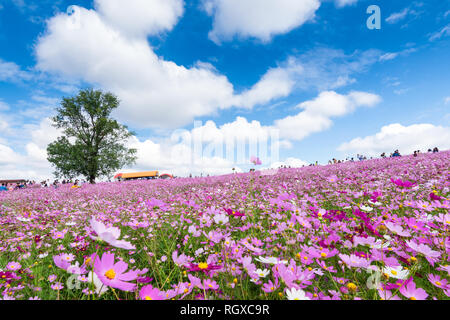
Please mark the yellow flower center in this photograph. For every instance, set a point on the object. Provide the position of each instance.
(323, 254)
(203, 265)
(438, 283)
(148, 298)
(351, 286)
(412, 298)
(394, 272)
(110, 274)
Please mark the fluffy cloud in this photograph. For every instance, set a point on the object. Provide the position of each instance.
(101, 48)
(290, 162)
(154, 92)
(32, 162)
(404, 138)
(316, 115)
(141, 17)
(261, 19)
(11, 72)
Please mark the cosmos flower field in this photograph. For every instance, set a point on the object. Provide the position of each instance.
(376, 229)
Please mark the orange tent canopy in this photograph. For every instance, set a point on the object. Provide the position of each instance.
(136, 175)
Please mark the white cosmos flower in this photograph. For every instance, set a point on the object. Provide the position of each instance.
(296, 294)
(262, 273)
(270, 260)
(100, 288)
(221, 218)
(379, 245)
(375, 203)
(397, 272)
(366, 208)
(23, 219)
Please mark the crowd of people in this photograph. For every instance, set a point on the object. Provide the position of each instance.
(44, 184)
(394, 154)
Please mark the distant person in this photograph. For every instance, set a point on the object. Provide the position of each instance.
(429, 150)
(396, 154)
(3, 187)
(435, 150)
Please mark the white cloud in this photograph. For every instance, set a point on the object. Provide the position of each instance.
(161, 94)
(154, 92)
(397, 16)
(447, 100)
(316, 115)
(289, 162)
(11, 72)
(141, 17)
(445, 31)
(404, 138)
(261, 19)
(393, 55)
(343, 3)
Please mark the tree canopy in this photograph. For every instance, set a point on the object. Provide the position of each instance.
(93, 144)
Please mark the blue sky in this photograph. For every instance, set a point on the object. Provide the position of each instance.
(311, 71)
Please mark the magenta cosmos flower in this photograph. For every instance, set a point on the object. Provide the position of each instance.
(234, 213)
(113, 274)
(204, 267)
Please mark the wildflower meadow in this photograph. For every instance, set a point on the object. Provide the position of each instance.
(366, 230)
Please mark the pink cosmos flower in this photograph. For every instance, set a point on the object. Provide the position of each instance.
(113, 274)
(397, 229)
(438, 282)
(57, 286)
(423, 249)
(52, 278)
(150, 293)
(110, 235)
(209, 284)
(182, 259)
(271, 286)
(255, 160)
(387, 295)
(62, 263)
(354, 261)
(332, 178)
(410, 291)
(13, 266)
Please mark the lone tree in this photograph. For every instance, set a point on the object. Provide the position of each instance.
(93, 144)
